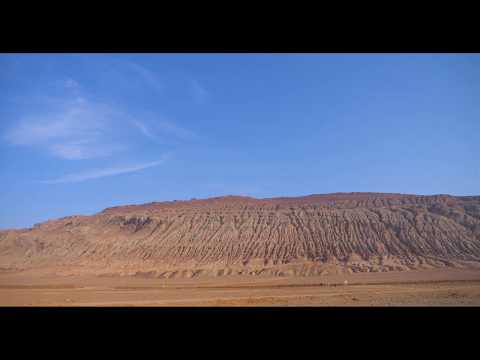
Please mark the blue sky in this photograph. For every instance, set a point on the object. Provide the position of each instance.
(82, 132)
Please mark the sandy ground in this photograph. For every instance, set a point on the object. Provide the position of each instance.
(445, 287)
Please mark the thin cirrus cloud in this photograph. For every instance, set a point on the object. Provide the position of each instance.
(147, 75)
(73, 129)
(162, 128)
(99, 173)
(78, 150)
(145, 130)
(76, 128)
(199, 94)
(171, 128)
(71, 84)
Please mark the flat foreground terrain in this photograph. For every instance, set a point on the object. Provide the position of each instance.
(446, 287)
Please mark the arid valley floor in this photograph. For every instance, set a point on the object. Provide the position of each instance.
(446, 287)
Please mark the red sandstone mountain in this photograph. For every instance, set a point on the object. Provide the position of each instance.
(310, 235)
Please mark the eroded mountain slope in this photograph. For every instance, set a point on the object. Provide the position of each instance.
(309, 235)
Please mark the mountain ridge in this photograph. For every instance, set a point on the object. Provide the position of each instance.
(308, 235)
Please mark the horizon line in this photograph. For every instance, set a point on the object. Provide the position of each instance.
(237, 196)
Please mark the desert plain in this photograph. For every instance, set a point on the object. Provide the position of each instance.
(445, 287)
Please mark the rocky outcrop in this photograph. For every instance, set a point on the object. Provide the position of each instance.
(311, 235)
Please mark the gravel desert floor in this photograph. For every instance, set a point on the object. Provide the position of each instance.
(445, 287)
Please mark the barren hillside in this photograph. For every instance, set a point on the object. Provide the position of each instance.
(311, 235)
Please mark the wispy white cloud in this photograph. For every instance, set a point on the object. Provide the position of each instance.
(147, 75)
(144, 129)
(169, 127)
(99, 173)
(78, 150)
(163, 128)
(71, 84)
(73, 129)
(199, 93)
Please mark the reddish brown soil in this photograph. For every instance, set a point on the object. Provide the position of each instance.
(446, 287)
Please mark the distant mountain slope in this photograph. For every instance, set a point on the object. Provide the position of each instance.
(310, 235)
